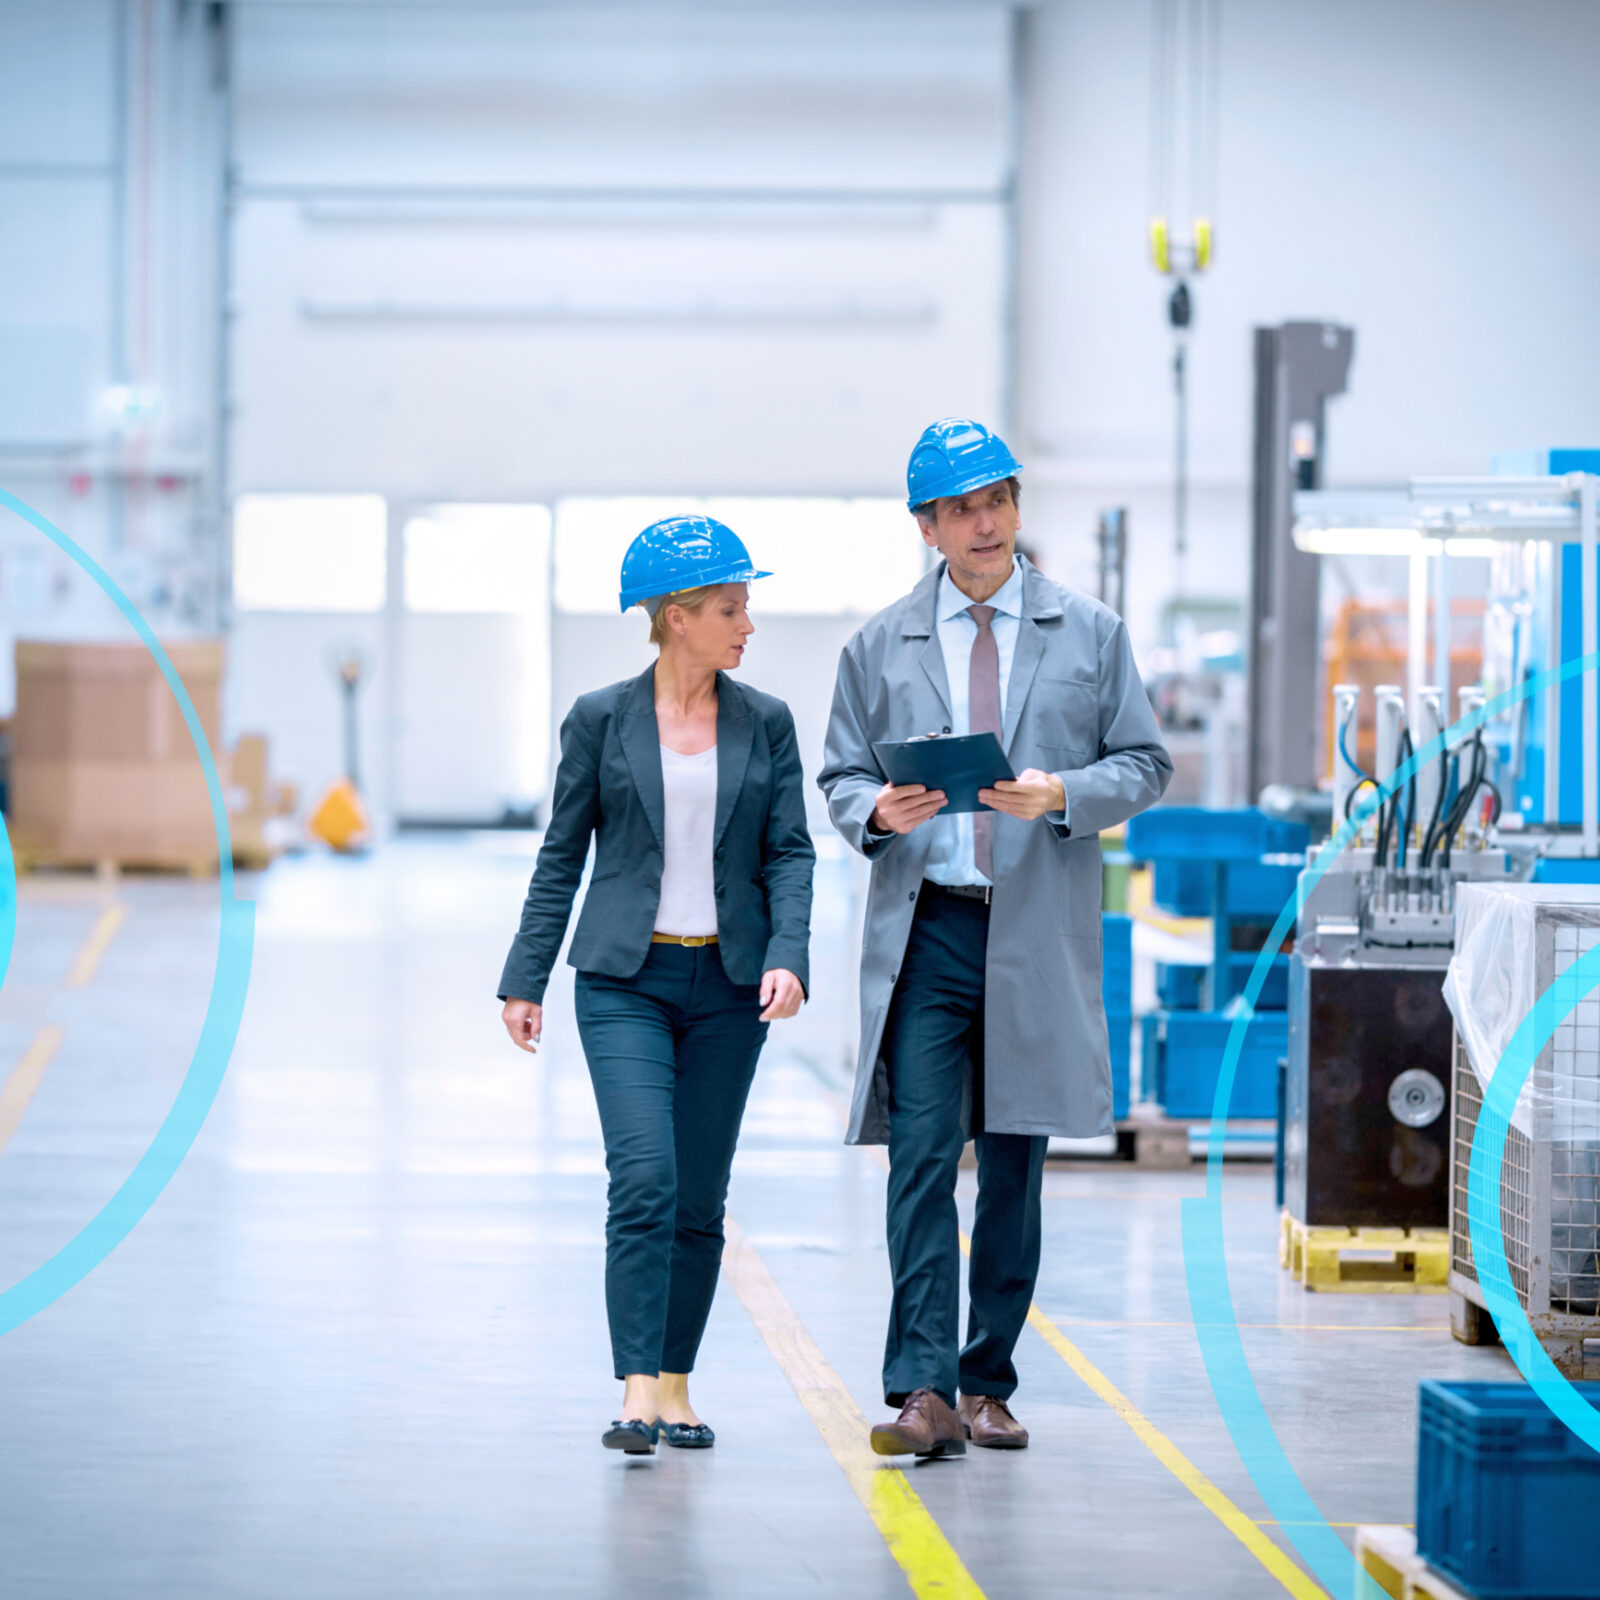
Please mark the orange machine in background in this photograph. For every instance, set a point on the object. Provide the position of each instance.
(1367, 646)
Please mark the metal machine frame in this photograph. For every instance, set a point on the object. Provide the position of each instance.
(1426, 518)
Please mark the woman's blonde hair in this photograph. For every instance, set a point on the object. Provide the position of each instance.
(690, 599)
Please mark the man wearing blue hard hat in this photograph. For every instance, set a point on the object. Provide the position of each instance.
(981, 1009)
(692, 938)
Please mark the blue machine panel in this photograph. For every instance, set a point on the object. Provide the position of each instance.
(1569, 785)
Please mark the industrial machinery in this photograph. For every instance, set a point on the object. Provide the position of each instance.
(1299, 366)
(1367, 1123)
(1512, 795)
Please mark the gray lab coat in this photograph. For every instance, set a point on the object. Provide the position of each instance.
(1075, 706)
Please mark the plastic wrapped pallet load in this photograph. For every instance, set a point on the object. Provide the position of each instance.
(1515, 946)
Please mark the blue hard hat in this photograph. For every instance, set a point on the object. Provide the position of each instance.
(684, 553)
(955, 455)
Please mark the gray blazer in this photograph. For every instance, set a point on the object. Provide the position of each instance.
(609, 786)
(1074, 706)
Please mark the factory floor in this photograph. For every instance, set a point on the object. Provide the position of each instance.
(358, 1346)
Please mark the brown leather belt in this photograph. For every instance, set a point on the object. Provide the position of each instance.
(692, 940)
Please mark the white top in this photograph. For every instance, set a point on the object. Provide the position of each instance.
(950, 857)
(688, 888)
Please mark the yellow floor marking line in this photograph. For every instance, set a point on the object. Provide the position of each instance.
(24, 1079)
(100, 936)
(1243, 1528)
(915, 1540)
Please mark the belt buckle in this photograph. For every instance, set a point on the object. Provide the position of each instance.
(694, 941)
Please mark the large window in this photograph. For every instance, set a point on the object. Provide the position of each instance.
(828, 557)
(309, 552)
(477, 558)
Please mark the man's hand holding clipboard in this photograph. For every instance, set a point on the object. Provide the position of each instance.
(965, 773)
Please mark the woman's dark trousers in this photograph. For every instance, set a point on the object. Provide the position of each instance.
(671, 1054)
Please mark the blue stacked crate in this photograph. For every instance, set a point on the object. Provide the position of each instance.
(1506, 1492)
(1189, 1053)
(1183, 1045)
(1116, 986)
(1181, 986)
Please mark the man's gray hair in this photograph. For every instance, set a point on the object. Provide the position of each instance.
(928, 511)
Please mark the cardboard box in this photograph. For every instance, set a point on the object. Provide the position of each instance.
(111, 702)
(154, 812)
(102, 762)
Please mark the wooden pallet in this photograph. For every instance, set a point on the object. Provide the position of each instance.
(1388, 1555)
(111, 867)
(1155, 1143)
(1365, 1260)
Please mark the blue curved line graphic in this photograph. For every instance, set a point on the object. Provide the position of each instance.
(235, 943)
(1549, 1011)
(1204, 1251)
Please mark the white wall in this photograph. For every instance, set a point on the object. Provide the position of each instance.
(109, 194)
(753, 249)
(506, 254)
(1420, 169)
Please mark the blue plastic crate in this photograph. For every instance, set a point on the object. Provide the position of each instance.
(1508, 1497)
(1566, 869)
(1190, 1056)
(1181, 985)
(1256, 889)
(1116, 973)
(1196, 833)
(1119, 1027)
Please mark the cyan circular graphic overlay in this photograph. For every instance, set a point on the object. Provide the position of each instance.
(1205, 1257)
(122, 1212)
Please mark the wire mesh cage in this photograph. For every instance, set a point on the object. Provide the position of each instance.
(1550, 1179)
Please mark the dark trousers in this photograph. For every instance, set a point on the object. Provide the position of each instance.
(671, 1054)
(933, 1045)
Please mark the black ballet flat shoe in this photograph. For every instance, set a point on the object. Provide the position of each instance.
(634, 1438)
(688, 1435)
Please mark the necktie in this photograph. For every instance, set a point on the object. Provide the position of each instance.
(983, 716)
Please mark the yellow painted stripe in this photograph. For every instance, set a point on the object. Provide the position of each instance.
(915, 1540)
(100, 936)
(24, 1079)
(1168, 1454)
(1243, 1528)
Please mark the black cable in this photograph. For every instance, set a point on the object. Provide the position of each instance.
(1463, 802)
(1350, 798)
(1403, 840)
(1428, 840)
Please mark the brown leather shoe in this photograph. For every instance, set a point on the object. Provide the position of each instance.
(990, 1425)
(926, 1426)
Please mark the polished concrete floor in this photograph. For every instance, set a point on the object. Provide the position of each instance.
(358, 1347)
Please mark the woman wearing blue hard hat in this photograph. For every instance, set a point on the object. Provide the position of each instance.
(692, 938)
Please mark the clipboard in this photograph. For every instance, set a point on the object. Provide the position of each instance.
(961, 765)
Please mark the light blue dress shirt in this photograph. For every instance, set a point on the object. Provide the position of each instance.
(951, 858)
